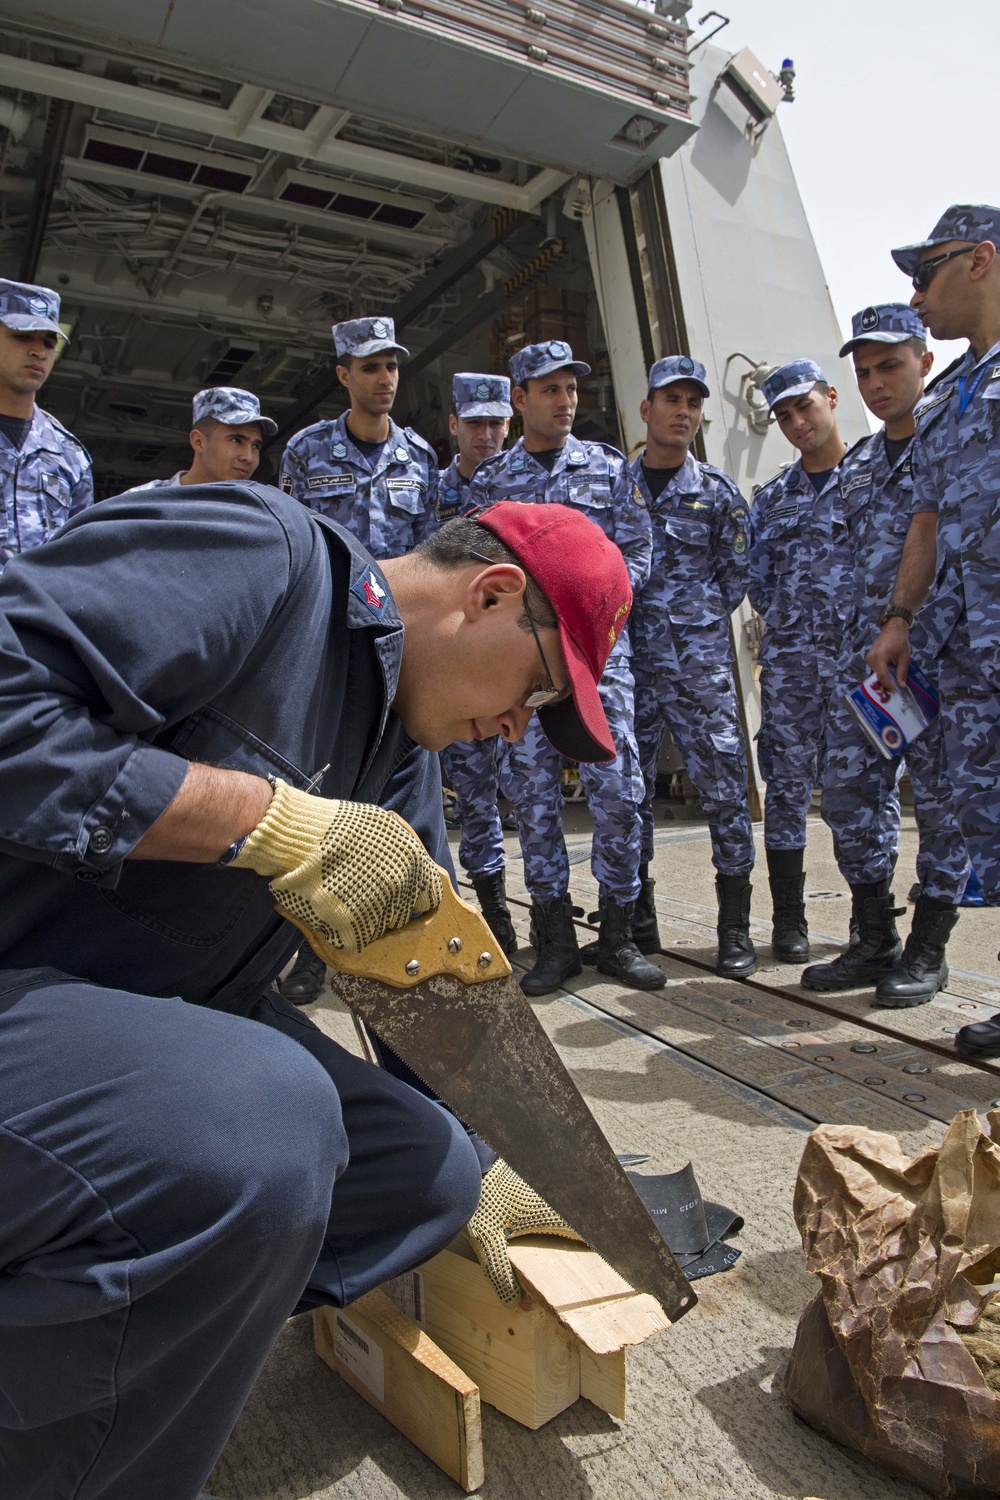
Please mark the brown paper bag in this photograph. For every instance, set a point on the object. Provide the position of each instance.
(906, 1252)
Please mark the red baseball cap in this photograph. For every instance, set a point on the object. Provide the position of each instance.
(584, 578)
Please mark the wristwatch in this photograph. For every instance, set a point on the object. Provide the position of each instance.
(896, 611)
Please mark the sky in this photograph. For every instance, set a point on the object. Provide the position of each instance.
(895, 117)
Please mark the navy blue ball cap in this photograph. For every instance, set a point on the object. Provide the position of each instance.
(359, 337)
(886, 323)
(793, 379)
(481, 395)
(536, 360)
(25, 308)
(972, 222)
(678, 367)
(231, 406)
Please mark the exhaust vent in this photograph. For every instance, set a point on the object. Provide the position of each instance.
(313, 191)
(226, 174)
(231, 363)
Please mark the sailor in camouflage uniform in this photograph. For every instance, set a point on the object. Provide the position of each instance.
(956, 470)
(681, 653)
(479, 424)
(800, 576)
(860, 805)
(548, 464)
(227, 433)
(44, 470)
(378, 480)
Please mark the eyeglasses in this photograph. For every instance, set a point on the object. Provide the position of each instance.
(924, 273)
(541, 697)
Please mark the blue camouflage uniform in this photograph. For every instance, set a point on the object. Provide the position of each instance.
(477, 769)
(800, 582)
(860, 805)
(593, 478)
(956, 471)
(388, 506)
(48, 479)
(227, 404)
(681, 653)
(452, 494)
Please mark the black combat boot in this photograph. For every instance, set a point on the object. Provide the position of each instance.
(876, 951)
(491, 893)
(790, 932)
(618, 955)
(556, 945)
(980, 1038)
(737, 956)
(922, 970)
(645, 932)
(304, 981)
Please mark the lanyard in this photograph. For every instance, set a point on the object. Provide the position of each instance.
(967, 387)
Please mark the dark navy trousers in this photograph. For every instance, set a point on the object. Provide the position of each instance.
(174, 1182)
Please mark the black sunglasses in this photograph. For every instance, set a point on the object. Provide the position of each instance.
(924, 273)
(541, 697)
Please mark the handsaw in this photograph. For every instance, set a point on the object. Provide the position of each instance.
(442, 995)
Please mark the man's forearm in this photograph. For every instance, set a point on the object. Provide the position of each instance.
(213, 809)
(918, 564)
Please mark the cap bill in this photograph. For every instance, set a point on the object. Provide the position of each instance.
(376, 346)
(801, 389)
(577, 727)
(576, 365)
(907, 257)
(31, 323)
(485, 409)
(267, 424)
(673, 379)
(876, 338)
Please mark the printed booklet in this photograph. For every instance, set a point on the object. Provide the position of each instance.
(892, 720)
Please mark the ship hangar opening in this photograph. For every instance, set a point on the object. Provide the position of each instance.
(204, 228)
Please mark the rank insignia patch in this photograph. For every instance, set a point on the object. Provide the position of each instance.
(370, 592)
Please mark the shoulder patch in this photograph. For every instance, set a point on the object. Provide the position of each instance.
(421, 442)
(740, 542)
(371, 593)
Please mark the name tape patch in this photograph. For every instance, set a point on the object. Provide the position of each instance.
(329, 481)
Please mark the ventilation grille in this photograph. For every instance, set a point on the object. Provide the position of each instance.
(132, 154)
(229, 365)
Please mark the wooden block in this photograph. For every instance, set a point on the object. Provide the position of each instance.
(523, 1360)
(585, 1293)
(389, 1361)
(602, 1380)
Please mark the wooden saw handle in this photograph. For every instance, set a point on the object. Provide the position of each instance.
(452, 939)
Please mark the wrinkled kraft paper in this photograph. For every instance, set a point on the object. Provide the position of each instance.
(906, 1252)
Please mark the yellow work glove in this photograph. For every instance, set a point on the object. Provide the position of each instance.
(508, 1207)
(346, 872)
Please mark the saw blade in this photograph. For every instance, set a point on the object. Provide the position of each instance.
(481, 1049)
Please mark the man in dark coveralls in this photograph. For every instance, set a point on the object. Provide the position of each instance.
(203, 693)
